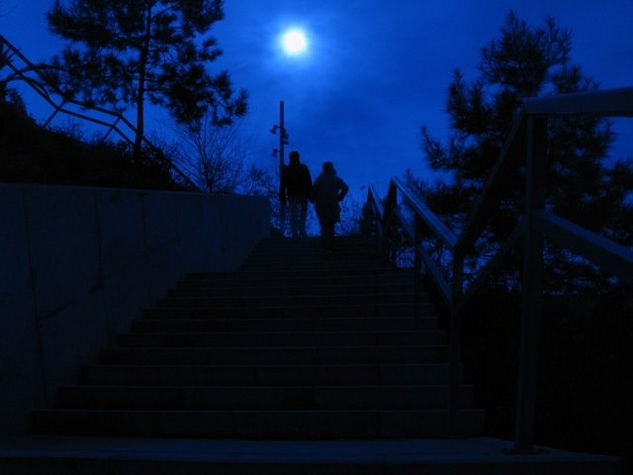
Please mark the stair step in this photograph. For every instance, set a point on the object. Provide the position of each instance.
(298, 310)
(284, 271)
(276, 355)
(291, 301)
(352, 256)
(420, 337)
(305, 276)
(270, 282)
(301, 255)
(361, 258)
(35, 455)
(291, 263)
(363, 275)
(181, 324)
(253, 424)
(259, 374)
(315, 250)
(259, 397)
(300, 343)
(313, 246)
(239, 289)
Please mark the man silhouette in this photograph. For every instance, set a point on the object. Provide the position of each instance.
(296, 187)
(328, 190)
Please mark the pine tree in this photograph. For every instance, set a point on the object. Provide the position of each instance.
(124, 52)
(582, 185)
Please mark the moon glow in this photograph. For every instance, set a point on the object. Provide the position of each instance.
(294, 42)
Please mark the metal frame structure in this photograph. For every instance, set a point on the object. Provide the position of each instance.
(526, 144)
(31, 74)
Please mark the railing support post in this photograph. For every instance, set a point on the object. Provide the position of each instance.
(532, 286)
(390, 204)
(417, 266)
(455, 343)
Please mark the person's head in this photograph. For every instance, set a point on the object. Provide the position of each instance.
(328, 168)
(294, 156)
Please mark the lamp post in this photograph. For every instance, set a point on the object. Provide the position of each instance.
(283, 141)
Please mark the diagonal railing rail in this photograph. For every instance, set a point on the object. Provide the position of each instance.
(525, 145)
(30, 74)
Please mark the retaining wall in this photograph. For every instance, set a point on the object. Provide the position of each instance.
(78, 264)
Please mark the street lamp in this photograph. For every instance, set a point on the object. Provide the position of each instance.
(283, 141)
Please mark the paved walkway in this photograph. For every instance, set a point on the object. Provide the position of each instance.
(485, 453)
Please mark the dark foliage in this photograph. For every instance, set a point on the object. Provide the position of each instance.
(585, 381)
(31, 154)
(582, 185)
(124, 52)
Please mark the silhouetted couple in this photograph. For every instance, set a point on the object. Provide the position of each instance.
(326, 193)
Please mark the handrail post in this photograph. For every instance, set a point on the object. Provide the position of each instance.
(455, 342)
(417, 265)
(532, 286)
(390, 203)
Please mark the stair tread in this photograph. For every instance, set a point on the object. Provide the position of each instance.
(298, 343)
(257, 411)
(263, 387)
(298, 319)
(283, 348)
(266, 365)
(407, 294)
(299, 332)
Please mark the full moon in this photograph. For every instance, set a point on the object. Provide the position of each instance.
(294, 42)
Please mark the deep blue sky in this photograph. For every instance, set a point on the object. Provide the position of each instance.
(376, 71)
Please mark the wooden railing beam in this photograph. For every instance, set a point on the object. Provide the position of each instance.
(509, 244)
(377, 211)
(438, 278)
(605, 253)
(528, 139)
(511, 151)
(431, 220)
(612, 102)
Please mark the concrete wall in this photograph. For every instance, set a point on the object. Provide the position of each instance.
(79, 264)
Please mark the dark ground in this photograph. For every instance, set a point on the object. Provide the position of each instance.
(585, 386)
(31, 154)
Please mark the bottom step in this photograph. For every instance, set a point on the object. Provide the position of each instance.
(37, 455)
(257, 424)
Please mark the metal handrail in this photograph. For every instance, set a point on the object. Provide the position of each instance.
(432, 221)
(43, 87)
(526, 140)
(611, 256)
(376, 208)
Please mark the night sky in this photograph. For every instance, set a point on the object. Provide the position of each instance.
(374, 71)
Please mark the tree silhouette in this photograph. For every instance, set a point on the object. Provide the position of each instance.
(124, 52)
(583, 186)
(217, 158)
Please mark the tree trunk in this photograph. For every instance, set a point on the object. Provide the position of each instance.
(140, 98)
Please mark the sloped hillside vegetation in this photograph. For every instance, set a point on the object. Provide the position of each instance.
(32, 154)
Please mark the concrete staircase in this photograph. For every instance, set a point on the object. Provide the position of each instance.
(300, 343)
